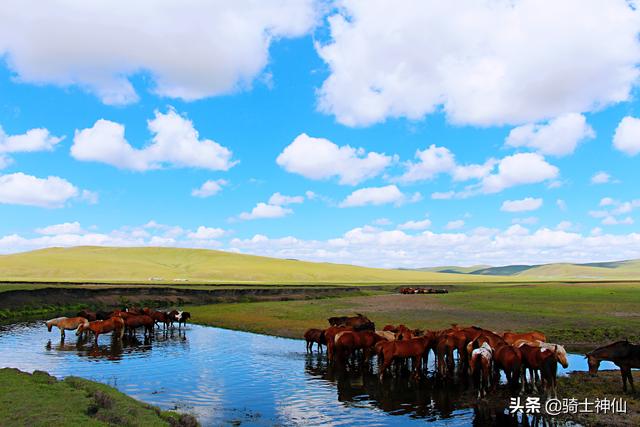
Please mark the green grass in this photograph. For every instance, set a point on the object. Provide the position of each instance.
(40, 400)
(113, 265)
(573, 314)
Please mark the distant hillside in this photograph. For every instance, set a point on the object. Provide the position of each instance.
(178, 265)
(616, 270)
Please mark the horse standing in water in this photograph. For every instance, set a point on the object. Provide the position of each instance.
(65, 323)
(624, 354)
(115, 324)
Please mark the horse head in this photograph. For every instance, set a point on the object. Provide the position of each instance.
(594, 364)
(49, 325)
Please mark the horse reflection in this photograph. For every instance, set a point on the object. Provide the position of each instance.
(429, 398)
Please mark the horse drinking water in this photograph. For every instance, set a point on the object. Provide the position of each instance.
(624, 354)
(65, 323)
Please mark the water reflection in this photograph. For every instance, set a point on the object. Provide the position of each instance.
(225, 376)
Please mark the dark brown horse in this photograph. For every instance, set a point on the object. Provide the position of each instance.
(357, 322)
(315, 336)
(624, 354)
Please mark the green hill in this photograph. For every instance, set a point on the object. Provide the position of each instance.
(616, 270)
(177, 265)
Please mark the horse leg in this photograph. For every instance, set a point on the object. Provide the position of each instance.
(630, 377)
(623, 372)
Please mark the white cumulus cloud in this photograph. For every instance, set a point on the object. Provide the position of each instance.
(485, 63)
(209, 188)
(207, 233)
(319, 158)
(190, 51)
(559, 137)
(21, 189)
(37, 139)
(518, 169)
(281, 200)
(627, 136)
(415, 225)
(265, 210)
(175, 143)
(377, 196)
(600, 178)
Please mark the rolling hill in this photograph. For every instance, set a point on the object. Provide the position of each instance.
(178, 265)
(616, 270)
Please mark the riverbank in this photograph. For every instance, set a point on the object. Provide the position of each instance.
(39, 399)
(580, 316)
(607, 384)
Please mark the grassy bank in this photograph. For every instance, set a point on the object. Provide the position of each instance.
(41, 400)
(581, 385)
(573, 314)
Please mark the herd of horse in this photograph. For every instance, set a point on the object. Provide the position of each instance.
(127, 320)
(482, 354)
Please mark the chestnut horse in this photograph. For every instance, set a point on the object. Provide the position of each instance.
(544, 360)
(509, 359)
(357, 322)
(347, 342)
(135, 321)
(561, 353)
(65, 323)
(480, 367)
(315, 336)
(512, 337)
(330, 335)
(414, 348)
(624, 354)
(115, 324)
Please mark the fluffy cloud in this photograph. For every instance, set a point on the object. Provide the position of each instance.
(319, 158)
(377, 196)
(430, 162)
(523, 205)
(415, 225)
(466, 57)
(207, 233)
(614, 210)
(196, 50)
(37, 139)
(175, 143)
(627, 136)
(518, 169)
(209, 188)
(559, 137)
(265, 210)
(281, 200)
(64, 228)
(21, 189)
(600, 178)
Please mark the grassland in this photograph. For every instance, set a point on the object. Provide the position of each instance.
(40, 400)
(581, 314)
(181, 266)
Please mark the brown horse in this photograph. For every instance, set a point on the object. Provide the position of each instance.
(115, 324)
(330, 335)
(357, 322)
(536, 358)
(315, 336)
(509, 359)
(65, 323)
(624, 354)
(414, 349)
(87, 314)
(561, 353)
(160, 317)
(512, 337)
(347, 342)
(135, 321)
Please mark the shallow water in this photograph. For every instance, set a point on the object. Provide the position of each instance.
(224, 376)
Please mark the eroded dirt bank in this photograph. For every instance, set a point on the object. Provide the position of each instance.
(106, 297)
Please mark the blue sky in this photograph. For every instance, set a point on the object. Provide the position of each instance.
(394, 145)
